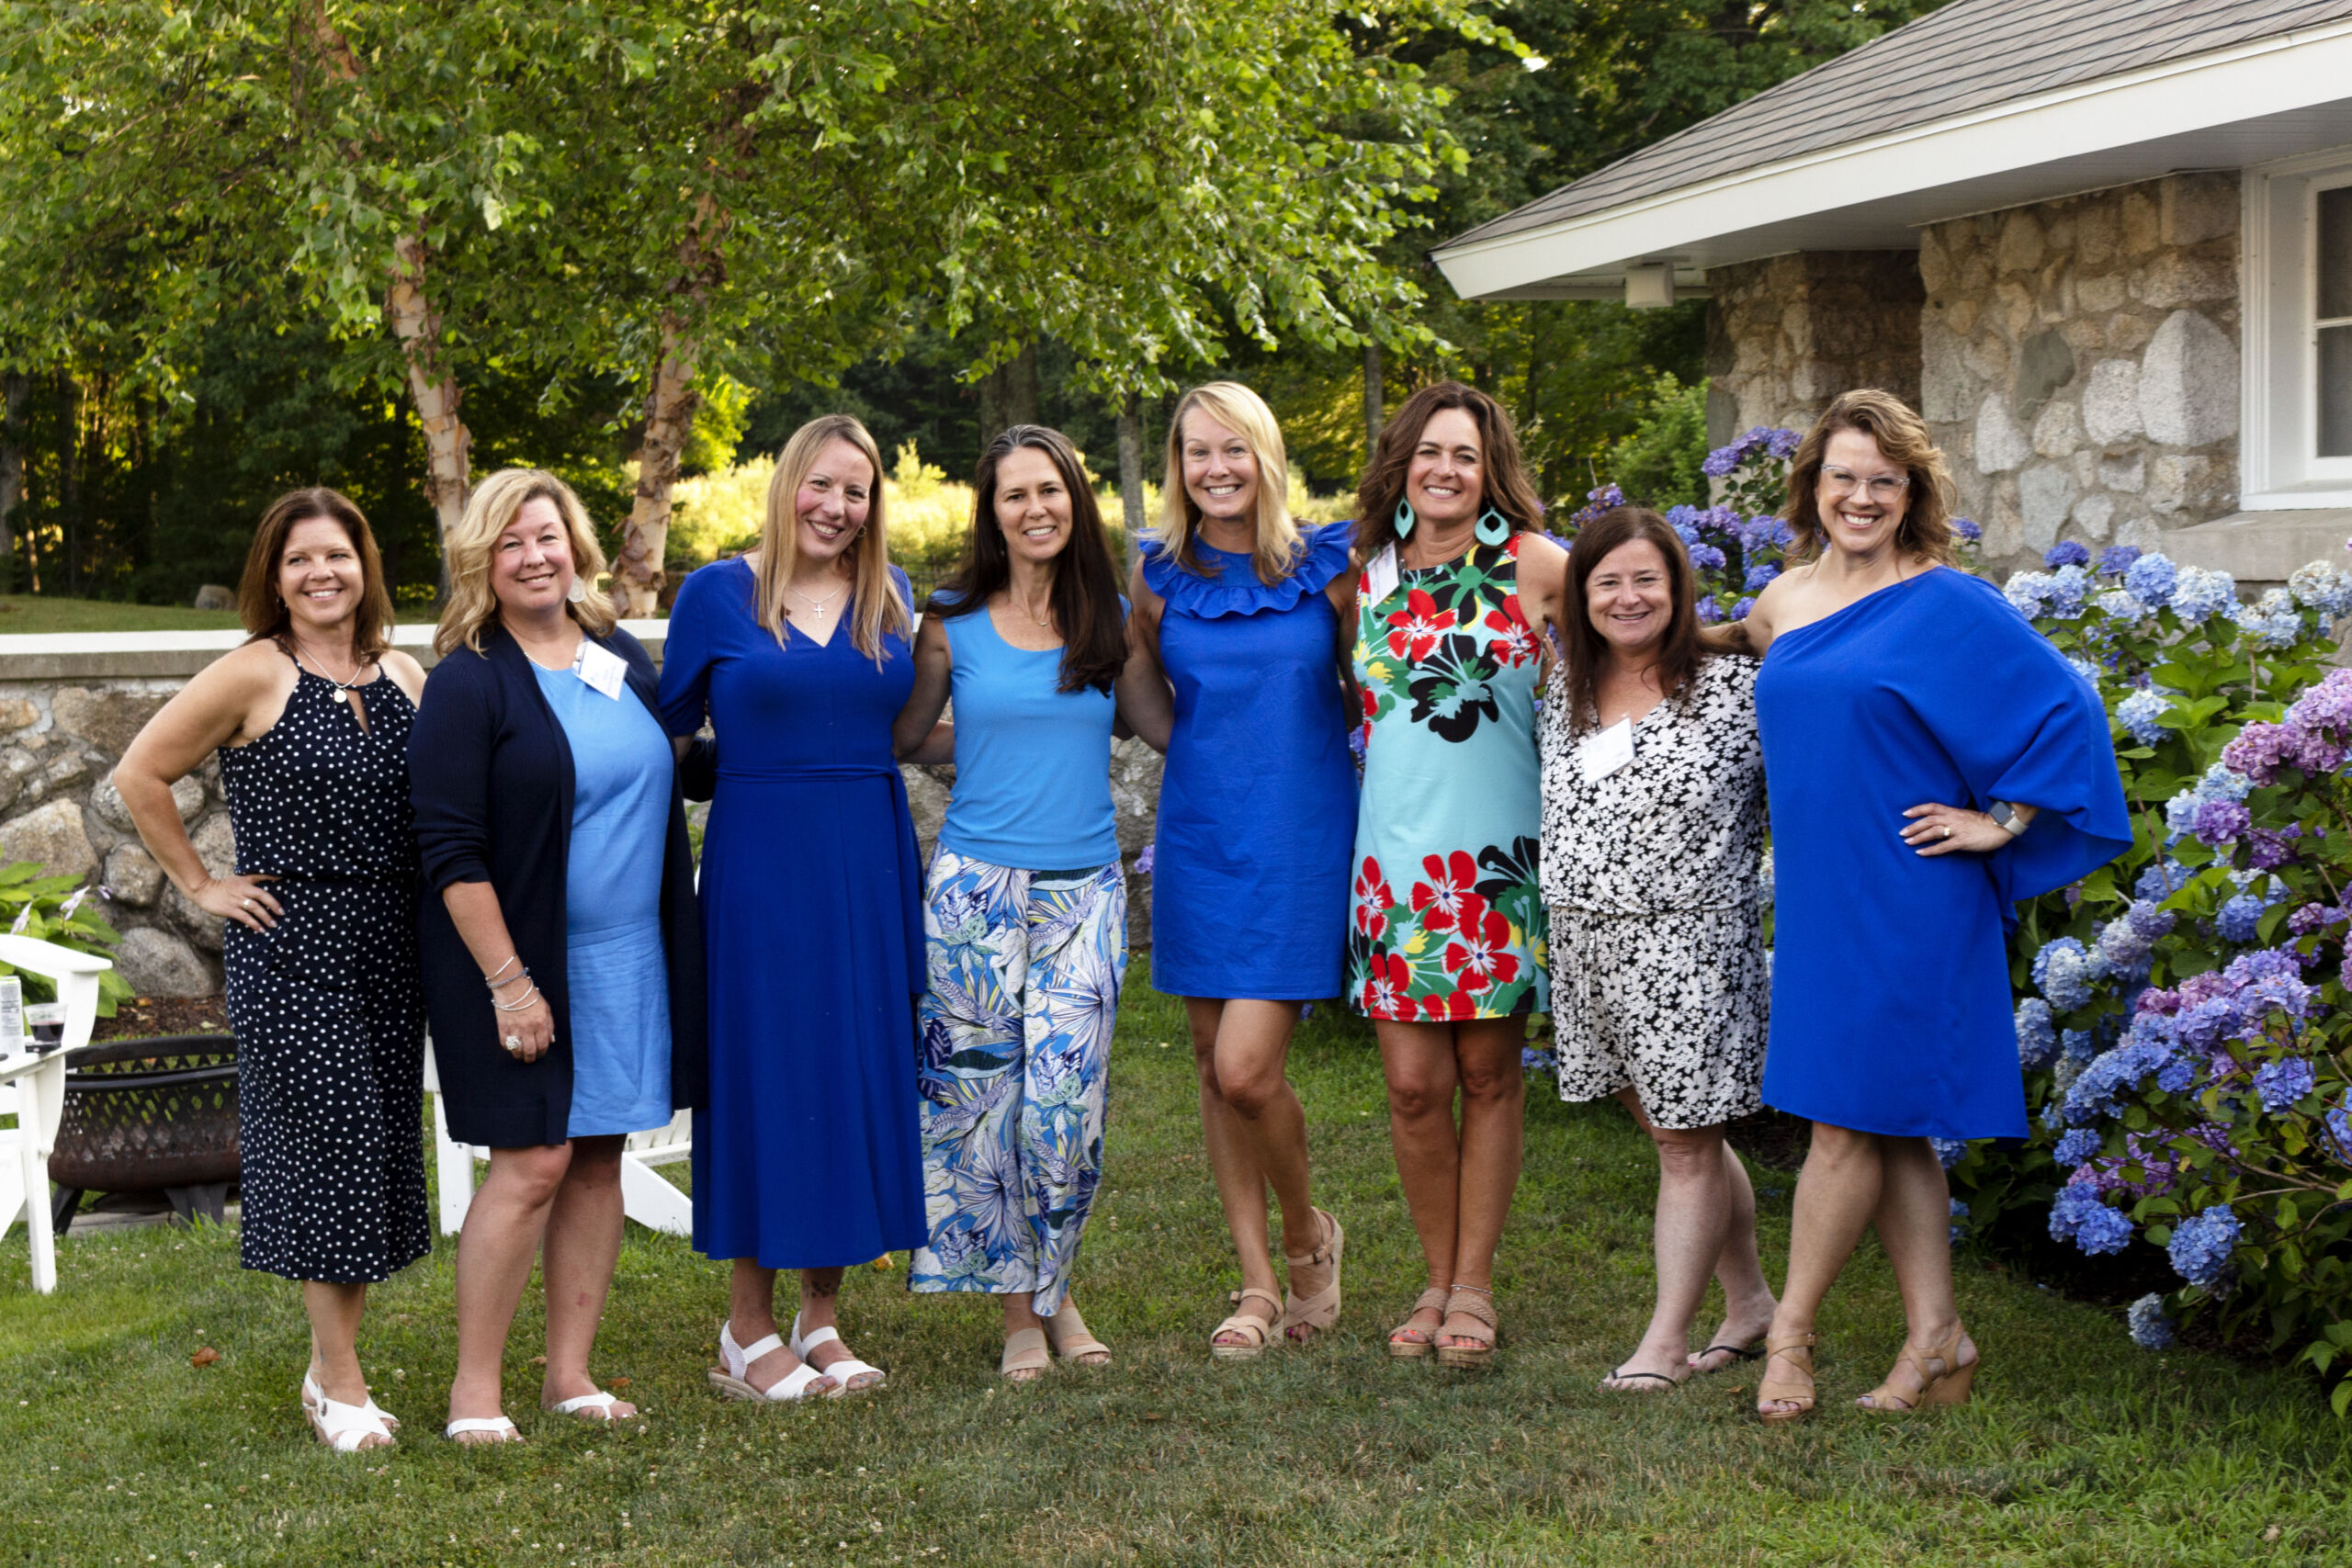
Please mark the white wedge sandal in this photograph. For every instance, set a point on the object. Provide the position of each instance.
(842, 1371)
(732, 1377)
(598, 1407)
(344, 1427)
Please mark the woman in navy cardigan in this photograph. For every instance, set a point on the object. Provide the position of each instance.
(563, 955)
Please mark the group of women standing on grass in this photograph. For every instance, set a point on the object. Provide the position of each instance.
(882, 1056)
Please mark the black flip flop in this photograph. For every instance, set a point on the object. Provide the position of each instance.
(1622, 1375)
(1745, 1353)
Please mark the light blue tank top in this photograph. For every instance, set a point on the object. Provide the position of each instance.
(1033, 764)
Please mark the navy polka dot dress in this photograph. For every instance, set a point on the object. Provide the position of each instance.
(328, 1014)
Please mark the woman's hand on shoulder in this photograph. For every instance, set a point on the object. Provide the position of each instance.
(1543, 578)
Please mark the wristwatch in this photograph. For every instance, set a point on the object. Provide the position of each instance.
(2005, 816)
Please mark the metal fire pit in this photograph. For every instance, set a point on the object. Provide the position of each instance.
(150, 1115)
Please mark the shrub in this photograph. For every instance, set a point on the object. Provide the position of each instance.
(59, 910)
(1663, 462)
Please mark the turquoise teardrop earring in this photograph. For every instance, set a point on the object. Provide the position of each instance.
(1404, 520)
(1498, 531)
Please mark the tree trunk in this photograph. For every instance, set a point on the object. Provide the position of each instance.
(12, 472)
(1131, 471)
(638, 576)
(1009, 395)
(69, 486)
(1374, 416)
(449, 446)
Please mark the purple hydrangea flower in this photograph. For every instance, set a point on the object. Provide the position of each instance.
(1782, 442)
(2065, 552)
(1741, 605)
(1706, 557)
(1708, 612)
(1967, 528)
(2201, 1246)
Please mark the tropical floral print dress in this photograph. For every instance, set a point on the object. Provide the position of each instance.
(1446, 918)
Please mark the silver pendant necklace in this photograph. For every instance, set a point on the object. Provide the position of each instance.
(342, 688)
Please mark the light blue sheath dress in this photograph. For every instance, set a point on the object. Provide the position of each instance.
(613, 953)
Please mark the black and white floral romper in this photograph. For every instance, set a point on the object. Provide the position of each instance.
(326, 1008)
(1659, 972)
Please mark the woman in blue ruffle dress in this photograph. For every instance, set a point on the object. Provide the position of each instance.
(1241, 605)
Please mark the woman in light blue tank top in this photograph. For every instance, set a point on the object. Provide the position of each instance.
(1026, 906)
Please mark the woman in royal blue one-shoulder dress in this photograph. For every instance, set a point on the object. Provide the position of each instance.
(1240, 606)
(1930, 760)
(808, 1155)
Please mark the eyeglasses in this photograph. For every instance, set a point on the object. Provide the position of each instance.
(1883, 488)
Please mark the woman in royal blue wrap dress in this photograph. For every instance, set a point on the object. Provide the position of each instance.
(1240, 607)
(1930, 760)
(808, 1154)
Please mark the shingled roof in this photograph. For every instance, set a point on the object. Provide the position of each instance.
(1968, 56)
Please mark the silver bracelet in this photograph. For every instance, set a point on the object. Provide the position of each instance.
(526, 974)
(516, 1006)
(491, 979)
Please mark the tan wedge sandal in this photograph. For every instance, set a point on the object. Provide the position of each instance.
(1259, 1330)
(1072, 1342)
(1401, 1343)
(1942, 1379)
(1474, 1302)
(1025, 1356)
(1777, 1388)
(1303, 1320)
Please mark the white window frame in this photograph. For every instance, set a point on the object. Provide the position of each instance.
(2281, 467)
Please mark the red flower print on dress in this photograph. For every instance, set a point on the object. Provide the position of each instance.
(1373, 899)
(1386, 979)
(1515, 641)
(1437, 901)
(1480, 954)
(1451, 1008)
(1416, 628)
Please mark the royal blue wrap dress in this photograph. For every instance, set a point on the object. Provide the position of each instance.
(1258, 805)
(1891, 1009)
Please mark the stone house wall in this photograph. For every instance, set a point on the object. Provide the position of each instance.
(2080, 364)
(65, 722)
(1788, 334)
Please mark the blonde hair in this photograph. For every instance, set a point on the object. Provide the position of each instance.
(1902, 436)
(490, 511)
(876, 608)
(1245, 413)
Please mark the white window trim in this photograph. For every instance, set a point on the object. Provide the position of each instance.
(2279, 419)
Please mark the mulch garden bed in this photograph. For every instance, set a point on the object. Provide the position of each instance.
(144, 1016)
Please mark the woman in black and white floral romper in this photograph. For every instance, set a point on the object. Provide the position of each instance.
(1651, 860)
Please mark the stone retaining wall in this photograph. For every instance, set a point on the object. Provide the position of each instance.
(70, 705)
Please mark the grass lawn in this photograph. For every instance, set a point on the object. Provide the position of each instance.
(2079, 1450)
(22, 614)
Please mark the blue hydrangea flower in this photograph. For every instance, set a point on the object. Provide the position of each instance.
(2149, 580)
(1949, 1151)
(2283, 1082)
(2337, 1124)
(2160, 881)
(2323, 588)
(1708, 612)
(2077, 1146)
(2273, 621)
(1761, 573)
(2080, 1216)
(2118, 605)
(2201, 1245)
(2139, 711)
(2075, 1043)
(2116, 559)
(2240, 920)
(1782, 444)
(2037, 1039)
(1706, 557)
(2218, 783)
(2064, 972)
(2150, 1324)
(1741, 605)
(1967, 528)
(2029, 592)
(2067, 552)
(1959, 1213)
(2099, 1089)
(2198, 594)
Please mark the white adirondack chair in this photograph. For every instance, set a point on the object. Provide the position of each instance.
(33, 1088)
(646, 1197)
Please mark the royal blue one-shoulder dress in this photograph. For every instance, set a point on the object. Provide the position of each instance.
(1258, 803)
(1890, 974)
(808, 1154)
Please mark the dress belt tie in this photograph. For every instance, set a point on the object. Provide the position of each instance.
(831, 773)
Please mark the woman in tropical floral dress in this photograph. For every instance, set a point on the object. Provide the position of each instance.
(1446, 932)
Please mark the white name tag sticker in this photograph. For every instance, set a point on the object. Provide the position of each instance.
(1604, 751)
(1380, 574)
(603, 669)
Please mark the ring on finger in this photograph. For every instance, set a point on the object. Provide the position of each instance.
(1947, 829)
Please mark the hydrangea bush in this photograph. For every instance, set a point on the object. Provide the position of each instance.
(2182, 1021)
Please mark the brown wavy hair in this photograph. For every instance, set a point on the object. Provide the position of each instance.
(1902, 436)
(1505, 486)
(259, 605)
(1679, 656)
(1086, 584)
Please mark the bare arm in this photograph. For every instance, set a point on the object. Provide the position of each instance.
(1342, 595)
(912, 731)
(481, 925)
(1147, 705)
(239, 695)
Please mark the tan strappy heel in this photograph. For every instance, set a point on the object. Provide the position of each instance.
(1406, 1349)
(1775, 1389)
(1321, 1310)
(1261, 1330)
(1474, 1302)
(1943, 1380)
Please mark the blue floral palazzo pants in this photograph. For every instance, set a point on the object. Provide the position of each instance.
(1025, 975)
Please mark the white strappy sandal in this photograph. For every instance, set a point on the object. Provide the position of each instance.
(600, 1401)
(498, 1424)
(842, 1371)
(313, 1394)
(343, 1427)
(732, 1376)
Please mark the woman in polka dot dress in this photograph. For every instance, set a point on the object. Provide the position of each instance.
(310, 718)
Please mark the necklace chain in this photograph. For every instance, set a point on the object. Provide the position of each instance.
(342, 688)
(811, 600)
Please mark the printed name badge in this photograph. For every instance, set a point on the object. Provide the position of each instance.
(1605, 752)
(1380, 574)
(603, 669)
